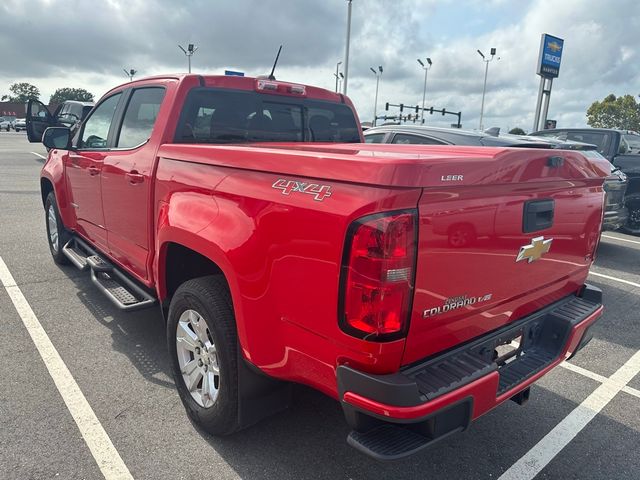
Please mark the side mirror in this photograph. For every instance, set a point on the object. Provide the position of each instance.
(57, 137)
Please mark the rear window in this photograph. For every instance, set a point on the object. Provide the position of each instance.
(213, 115)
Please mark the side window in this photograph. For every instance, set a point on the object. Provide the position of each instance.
(630, 144)
(374, 138)
(140, 117)
(602, 140)
(404, 138)
(96, 128)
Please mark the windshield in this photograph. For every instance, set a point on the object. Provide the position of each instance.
(213, 115)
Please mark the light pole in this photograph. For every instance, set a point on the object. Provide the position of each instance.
(340, 82)
(346, 50)
(484, 88)
(337, 74)
(375, 105)
(424, 90)
(130, 73)
(191, 49)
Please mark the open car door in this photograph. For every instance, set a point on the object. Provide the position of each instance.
(38, 120)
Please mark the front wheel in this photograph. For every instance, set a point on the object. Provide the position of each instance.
(203, 345)
(57, 235)
(633, 223)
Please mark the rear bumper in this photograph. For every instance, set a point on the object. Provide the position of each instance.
(396, 415)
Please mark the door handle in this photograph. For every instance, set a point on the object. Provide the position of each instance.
(93, 171)
(134, 177)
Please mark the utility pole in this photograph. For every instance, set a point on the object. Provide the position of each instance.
(337, 74)
(130, 73)
(375, 105)
(346, 50)
(424, 90)
(484, 88)
(191, 49)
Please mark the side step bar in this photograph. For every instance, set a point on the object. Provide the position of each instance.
(120, 289)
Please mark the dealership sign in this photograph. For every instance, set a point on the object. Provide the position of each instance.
(550, 55)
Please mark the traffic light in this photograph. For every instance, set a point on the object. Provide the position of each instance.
(386, 107)
(401, 107)
(416, 108)
(431, 111)
(443, 110)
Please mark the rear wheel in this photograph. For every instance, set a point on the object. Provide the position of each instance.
(203, 345)
(633, 223)
(57, 235)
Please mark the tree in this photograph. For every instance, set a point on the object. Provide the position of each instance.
(517, 131)
(22, 93)
(64, 94)
(615, 112)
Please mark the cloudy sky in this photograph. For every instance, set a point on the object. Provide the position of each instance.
(85, 43)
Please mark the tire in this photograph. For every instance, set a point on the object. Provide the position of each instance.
(633, 223)
(213, 348)
(54, 222)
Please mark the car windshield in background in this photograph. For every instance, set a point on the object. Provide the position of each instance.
(222, 116)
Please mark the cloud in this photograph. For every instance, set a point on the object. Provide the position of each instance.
(74, 43)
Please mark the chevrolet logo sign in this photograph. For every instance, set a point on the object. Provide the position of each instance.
(532, 252)
(554, 46)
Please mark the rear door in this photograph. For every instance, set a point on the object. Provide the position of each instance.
(499, 244)
(127, 179)
(38, 119)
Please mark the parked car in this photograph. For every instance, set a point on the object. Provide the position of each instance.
(622, 149)
(68, 114)
(616, 213)
(278, 259)
(5, 123)
(20, 125)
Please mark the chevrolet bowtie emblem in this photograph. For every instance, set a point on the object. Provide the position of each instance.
(538, 247)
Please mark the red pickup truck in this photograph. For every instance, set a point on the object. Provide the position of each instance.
(280, 248)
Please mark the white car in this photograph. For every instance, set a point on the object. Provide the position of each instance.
(20, 124)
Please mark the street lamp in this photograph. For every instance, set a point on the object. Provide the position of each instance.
(337, 74)
(340, 82)
(130, 73)
(424, 90)
(375, 105)
(346, 49)
(191, 49)
(484, 88)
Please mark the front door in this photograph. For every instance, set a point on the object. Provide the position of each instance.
(83, 168)
(38, 119)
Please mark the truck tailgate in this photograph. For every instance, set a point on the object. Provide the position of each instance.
(499, 244)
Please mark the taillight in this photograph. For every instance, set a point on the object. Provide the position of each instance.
(377, 275)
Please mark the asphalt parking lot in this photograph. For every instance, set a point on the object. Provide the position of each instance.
(582, 422)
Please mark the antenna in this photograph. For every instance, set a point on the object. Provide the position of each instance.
(271, 77)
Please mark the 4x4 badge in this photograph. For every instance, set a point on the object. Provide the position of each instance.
(532, 252)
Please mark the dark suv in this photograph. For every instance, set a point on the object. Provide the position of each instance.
(616, 213)
(68, 114)
(622, 149)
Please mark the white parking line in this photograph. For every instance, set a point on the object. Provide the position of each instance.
(598, 378)
(609, 277)
(103, 451)
(38, 155)
(621, 239)
(546, 449)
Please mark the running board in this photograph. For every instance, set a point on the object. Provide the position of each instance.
(76, 253)
(120, 289)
